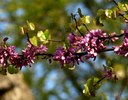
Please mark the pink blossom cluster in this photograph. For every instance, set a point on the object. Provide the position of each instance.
(79, 46)
(91, 43)
(8, 55)
(123, 48)
(64, 56)
(108, 73)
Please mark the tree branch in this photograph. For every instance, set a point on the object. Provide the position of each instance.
(73, 17)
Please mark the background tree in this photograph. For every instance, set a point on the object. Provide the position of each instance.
(13, 87)
(49, 81)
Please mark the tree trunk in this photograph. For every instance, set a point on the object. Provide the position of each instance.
(13, 87)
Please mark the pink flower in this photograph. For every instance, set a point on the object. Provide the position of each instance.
(108, 73)
(8, 55)
(123, 48)
(64, 56)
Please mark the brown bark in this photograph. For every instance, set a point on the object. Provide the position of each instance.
(13, 87)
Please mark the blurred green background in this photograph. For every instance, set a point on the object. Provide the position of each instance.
(50, 81)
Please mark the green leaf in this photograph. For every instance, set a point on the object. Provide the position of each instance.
(86, 90)
(90, 87)
(92, 81)
(122, 19)
(99, 21)
(65, 45)
(31, 25)
(101, 13)
(46, 33)
(114, 14)
(24, 29)
(43, 36)
(126, 16)
(108, 13)
(33, 40)
(72, 68)
(85, 19)
(123, 7)
(67, 66)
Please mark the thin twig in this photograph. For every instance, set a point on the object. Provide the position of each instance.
(28, 38)
(86, 27)
(85, 53)
(55, 41)
(99, 81)
(45, 54)
(109, 49)
(73, 17)
(115, 3)
(77, 54)
(81, 15)
(109, 37)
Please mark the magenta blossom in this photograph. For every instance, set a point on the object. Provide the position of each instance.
(123, 48)
(64, 56)
(108, 73)
(9, 56)
(91, 43)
